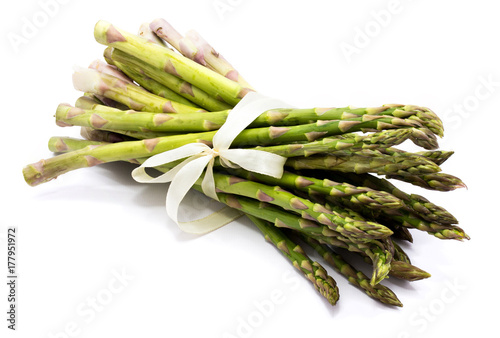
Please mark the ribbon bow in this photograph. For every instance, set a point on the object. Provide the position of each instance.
(200, 156)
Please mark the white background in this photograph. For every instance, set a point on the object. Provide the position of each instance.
(78, 232)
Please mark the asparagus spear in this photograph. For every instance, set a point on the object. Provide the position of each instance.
(105, 101)
(211, 121)
(169, 35)
(194, 47)
(105, 68)
(312, 270)
(423, 115)
(183, 88)
(94, 115)
(365, 197)
(147, 33)
(209, 81)
(130, 120)
(101, 135)
(134, 97)
(399, 231)
(402, 216)
(437, 156)
(407, 271)
(431, 181)
(46, 170)
(86, 103)
(381, 258)
(287, 117)
(303, 207)
(373, 251)
(358, 278)
(153, 86)
(215, 60)
(359, 163)
(400, 254)
(67, 144)
(416, 203)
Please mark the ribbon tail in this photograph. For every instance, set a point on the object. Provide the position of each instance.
(208, 183)
(182, 182)
(212, 222)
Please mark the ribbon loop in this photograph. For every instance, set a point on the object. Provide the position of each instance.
(200, 156)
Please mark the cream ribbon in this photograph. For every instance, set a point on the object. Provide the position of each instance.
(200, 156)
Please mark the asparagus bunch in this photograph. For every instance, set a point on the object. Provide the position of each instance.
(158, 90)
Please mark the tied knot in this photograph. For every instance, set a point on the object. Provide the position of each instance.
(199, 160)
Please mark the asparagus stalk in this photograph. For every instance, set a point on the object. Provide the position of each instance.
(134, 97)
(209, 81)
(67, 144)
(105, 68)
(431, 181)
(399, 231)
(87, 103)
(402, 216)
(194, 47)
(312, 270)
(215, 60)
(105, 101)
(380, 257)
(423, 115)
(153, 86)
(365, 197)
(355, 277)
(46, 170)
(101, 135)
(303, 207)
(407, 271)
(211, 121)
(359, 163)
(437, 156)
(130, 120)
(284, 117)
(400, 254)
(169, 35)
(91, 114)
(416, 203)
(183, 88)
(147, 33)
